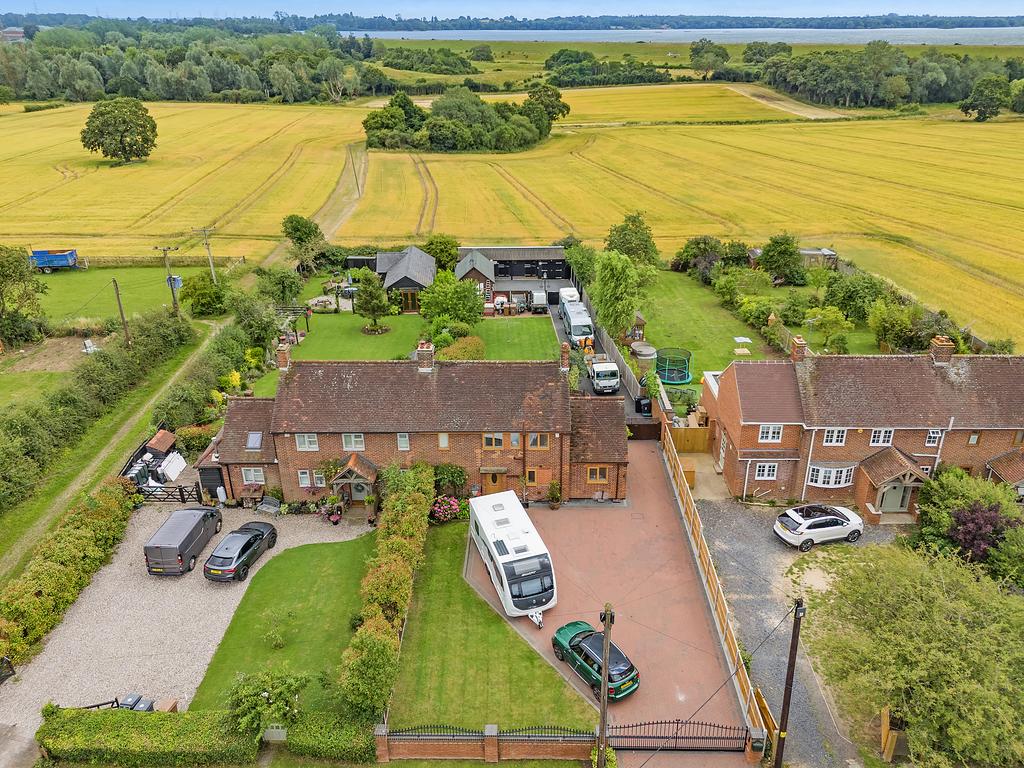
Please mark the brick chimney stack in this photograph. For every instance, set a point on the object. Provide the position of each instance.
(564, 362)
(425, 357)
(941, 349)
(797, 349)
(284, 356)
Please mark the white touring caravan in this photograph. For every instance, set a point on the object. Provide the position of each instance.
(515, 556)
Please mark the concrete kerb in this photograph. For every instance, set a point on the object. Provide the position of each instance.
(755, 733)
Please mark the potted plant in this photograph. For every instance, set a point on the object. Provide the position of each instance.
(371, 509)
(554, 496)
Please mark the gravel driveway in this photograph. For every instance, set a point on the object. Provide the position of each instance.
(752, 563)
(132, 632)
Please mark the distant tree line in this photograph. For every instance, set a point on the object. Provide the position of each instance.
(570, 68)
(439, 61)
(282, 22)
(460, 121)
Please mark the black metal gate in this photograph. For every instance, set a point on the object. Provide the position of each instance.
(182, 494)
(678, 735)
(6, 669)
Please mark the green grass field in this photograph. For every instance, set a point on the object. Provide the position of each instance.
(307, 594)
(17, 385)
(462, 664)
(339, 337)
(518, 338)
(89, 294)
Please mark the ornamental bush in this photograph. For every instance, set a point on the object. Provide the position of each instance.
(144, 739)
(63, 564)
(256, 700)
(466, 348)
(327, 736)
(444, 509)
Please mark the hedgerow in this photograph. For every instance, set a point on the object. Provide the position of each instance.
(319, 734)
(34, 603)
(143, 739)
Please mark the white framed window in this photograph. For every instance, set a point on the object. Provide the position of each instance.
(766, 471)
(926, 469)
(834, 436)
(442, 441)
(319, 480)
(830, 477)
(254, 441)
(881, 437)
(770, 433)
(304, 478)
(403, 441)
(353, 441)
(253, 475)
(307, 442)
(513, 439)
(934, 435)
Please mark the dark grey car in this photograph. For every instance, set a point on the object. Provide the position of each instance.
(237, 551)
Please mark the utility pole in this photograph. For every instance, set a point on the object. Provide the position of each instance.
(607, 618)
(170, 278)
(120, 308)
(209, 254)
(794, 643)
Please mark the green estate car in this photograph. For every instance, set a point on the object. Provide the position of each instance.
(581, 646)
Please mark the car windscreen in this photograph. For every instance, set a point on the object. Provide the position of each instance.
(789, 523)
(583, 330)
(606, 374)
(529, 576)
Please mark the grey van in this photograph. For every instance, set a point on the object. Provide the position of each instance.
(175, 547)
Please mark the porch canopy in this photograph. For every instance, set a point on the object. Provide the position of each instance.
(893, 477)
(355, 470)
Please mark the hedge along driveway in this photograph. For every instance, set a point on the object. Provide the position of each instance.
(132, 632)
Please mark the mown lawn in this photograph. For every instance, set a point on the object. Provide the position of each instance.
(88, 293)
(308, 595)
(518, 338)
(340, 337)
(19, 385)
(462, 664)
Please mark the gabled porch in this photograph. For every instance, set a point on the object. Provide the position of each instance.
(356, 480)
(886, 486)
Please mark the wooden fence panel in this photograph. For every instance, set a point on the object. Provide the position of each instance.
(690, 439)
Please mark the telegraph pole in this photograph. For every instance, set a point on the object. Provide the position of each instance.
(794, 643)
(209, 254)
(170, 278)
(607, 618)
(120, 308)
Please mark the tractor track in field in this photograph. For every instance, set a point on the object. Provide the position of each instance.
(654, 190)
(155, 213)
(431, 196)
(873, 215)
(67, 176)
(546, 210)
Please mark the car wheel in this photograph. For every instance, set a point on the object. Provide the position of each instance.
(192, 562)
(559, 654)
(805, 545)
(243, 572)
(596, 689)
(271, 541)
(220, 524)
(852, 536)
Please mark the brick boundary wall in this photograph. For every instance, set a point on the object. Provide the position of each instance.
(488, 747)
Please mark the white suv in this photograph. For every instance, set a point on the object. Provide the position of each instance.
(811, 524)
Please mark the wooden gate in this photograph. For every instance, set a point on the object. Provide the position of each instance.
(690, 439)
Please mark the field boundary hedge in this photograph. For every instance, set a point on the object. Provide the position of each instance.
(327, 736)
(369, 666)
(142, 739)
(62, 565)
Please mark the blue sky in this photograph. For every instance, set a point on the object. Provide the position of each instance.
(521, 8)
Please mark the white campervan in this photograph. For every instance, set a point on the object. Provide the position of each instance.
(516, 558)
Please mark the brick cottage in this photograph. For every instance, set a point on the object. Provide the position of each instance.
(333, 425)
(864, 429)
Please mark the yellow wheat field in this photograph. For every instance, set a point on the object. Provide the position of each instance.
(240, 168)
(937, 205)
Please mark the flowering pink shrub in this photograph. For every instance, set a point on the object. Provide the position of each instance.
(444, 509)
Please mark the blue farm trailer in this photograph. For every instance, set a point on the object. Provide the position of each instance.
(48, 261)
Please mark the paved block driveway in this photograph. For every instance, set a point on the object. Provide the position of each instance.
(132, 632)
(635, 556)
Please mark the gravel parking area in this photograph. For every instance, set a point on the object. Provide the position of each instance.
(132, 632)
(752, 563)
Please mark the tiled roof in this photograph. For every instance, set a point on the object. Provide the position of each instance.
(598, 430)
(415, 264)
(393, 396)
(245, 415)
(475, 260)
(358, 464)
(888, 463)
(1009, 466)
(162, 441)
(517, 252)
(768, 393)
(912, 391)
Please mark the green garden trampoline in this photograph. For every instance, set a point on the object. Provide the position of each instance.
(674, 365)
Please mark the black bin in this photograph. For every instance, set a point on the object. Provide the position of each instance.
(129, 701)
(143, 705)
(643, 405)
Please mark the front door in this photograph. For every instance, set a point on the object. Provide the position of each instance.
(360, 490)
(493, 482)
(895, 498)
(410, 300)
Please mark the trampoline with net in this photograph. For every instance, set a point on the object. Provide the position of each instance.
(673, 365)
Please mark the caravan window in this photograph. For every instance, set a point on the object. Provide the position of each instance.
(582, 329)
